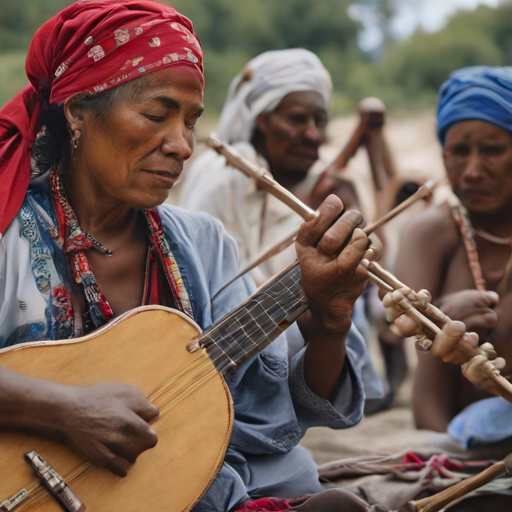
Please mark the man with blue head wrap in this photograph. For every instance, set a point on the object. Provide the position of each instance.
(479, 92)
(460, 250)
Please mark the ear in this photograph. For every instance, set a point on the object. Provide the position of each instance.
(262, 123)
(74, 112)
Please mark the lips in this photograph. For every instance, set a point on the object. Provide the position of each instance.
(164, 174)
(475, 192)
(166, 177)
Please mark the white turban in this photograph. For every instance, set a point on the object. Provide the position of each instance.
(264, 82)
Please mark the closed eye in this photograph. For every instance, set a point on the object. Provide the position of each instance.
(156, 119)
(192, 125)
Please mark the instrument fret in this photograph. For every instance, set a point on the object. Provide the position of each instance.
(249, 328)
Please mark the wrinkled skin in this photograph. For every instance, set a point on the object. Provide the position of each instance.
(478, 161)
(293, 134)
(329, 253)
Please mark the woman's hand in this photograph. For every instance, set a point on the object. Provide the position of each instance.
(329, 252)
(474, 308)
(108, 424)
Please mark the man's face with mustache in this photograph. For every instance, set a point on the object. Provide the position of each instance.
(293, 133)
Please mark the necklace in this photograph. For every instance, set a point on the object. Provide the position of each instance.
(494, 239)
(98, 245)
(105, 250)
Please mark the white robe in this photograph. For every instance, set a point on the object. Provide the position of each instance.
(256, 220)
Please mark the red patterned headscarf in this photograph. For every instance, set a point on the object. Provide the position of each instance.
(89, 47)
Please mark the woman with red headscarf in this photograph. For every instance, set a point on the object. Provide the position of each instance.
(88, 153)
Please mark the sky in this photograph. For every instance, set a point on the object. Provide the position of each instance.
(430, 15)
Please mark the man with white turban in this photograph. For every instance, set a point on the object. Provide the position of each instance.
(275, 115)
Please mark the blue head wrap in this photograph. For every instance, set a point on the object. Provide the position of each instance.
(479, 92)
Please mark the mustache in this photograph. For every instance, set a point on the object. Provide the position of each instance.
(307, 143)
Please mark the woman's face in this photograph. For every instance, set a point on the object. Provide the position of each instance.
(136, 154)
(478, 159)
(293, 133)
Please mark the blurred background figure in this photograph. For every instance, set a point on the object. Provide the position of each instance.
(460, 250)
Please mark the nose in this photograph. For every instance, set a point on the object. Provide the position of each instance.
(313, 133)
(178, 143)
(474, 170)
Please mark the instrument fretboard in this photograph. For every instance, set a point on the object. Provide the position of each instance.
(252, 326)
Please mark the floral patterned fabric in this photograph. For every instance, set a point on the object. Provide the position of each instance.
(63, 276)
(271, 504)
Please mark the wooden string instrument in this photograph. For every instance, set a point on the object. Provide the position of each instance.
(428, 317)
(147, 347)
(179, 369)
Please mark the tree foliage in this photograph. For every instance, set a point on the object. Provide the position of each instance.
(407, 74)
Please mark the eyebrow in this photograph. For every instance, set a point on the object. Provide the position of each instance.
(172, 103)
(167, 102)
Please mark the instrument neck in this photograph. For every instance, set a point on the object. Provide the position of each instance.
(252, 326)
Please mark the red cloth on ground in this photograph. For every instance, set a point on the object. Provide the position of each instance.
(272, 504)
(89, 47)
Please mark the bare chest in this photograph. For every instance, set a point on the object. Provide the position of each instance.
(121, 277)
(493, 259)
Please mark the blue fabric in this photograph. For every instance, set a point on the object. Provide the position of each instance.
(485, 422)
(480, 92)
(273, 404)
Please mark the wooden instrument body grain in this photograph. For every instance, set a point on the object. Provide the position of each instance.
(145, 347)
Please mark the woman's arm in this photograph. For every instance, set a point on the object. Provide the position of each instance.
(107, 423)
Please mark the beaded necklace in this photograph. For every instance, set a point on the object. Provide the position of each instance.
(468, 233)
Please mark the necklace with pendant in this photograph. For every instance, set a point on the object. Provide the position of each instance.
(105, 250)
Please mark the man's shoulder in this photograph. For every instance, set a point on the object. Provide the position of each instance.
(434, 221)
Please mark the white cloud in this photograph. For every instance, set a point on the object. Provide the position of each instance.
(430, 15)
(433, 13)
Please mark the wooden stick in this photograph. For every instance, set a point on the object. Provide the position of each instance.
(423, 192)
(396, 284)
(464, 352)
(260, 174)
(440, 500)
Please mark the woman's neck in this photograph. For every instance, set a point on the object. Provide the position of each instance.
(101, 215)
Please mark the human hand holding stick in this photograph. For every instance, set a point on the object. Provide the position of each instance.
(267, 183)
